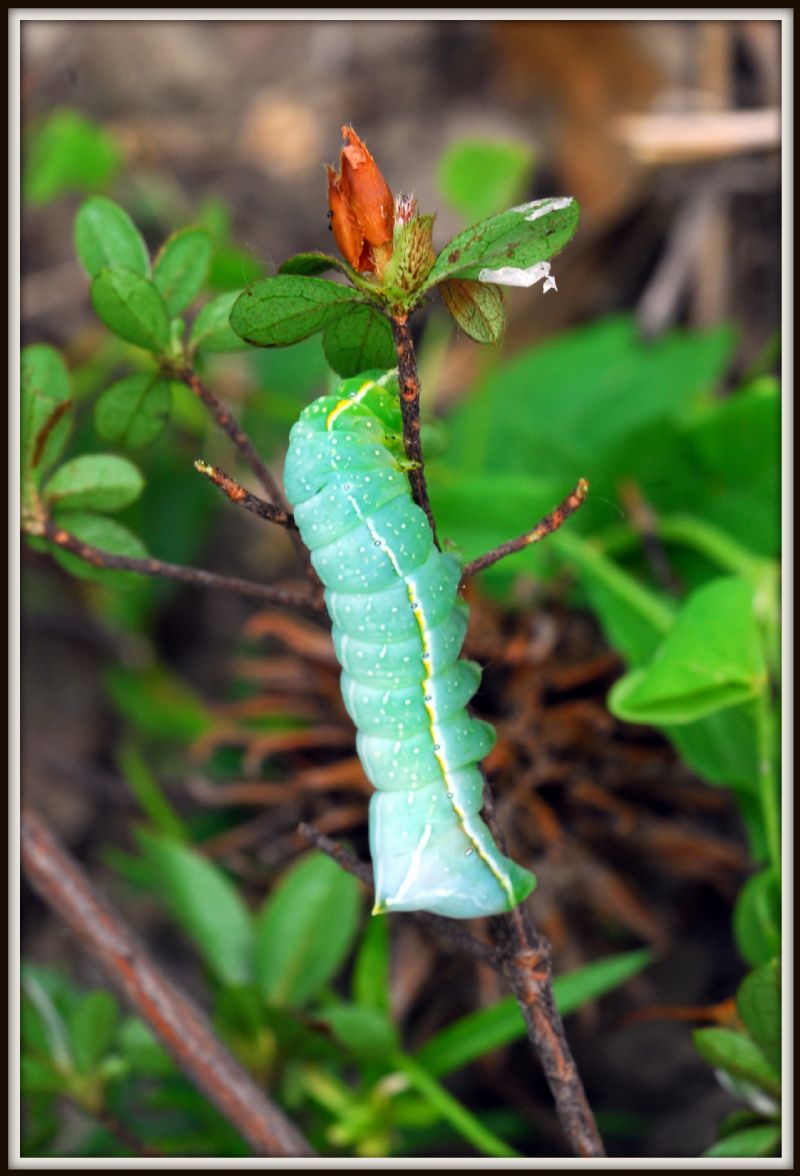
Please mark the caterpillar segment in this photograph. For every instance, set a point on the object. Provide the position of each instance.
(398, 630)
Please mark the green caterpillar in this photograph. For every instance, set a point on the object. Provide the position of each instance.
(398, 628)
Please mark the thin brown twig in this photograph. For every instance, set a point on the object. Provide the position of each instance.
(226, 421)
(179, 1024)
(237, 493)
(445, 928)
(167, 571)
(546, 526)
(527, 966)
(409, 407)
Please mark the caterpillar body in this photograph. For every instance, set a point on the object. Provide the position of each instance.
(398, 629)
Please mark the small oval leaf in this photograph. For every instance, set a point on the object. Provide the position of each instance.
(100, 481)
(106, 237)
(132, 308)
(359, 339)
(305, 930)
(91, 1029)
(521, 237)
(45, 410)
(478, 309)
(134, 411)
(310, 264)
(181, 268)
(206, 904)
(282, 310)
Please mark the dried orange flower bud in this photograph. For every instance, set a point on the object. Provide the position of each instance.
(362, 208)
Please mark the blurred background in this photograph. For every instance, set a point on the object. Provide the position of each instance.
(668, 132)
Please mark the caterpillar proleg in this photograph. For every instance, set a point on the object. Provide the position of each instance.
(398, 629)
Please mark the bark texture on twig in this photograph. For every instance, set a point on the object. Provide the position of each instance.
(181, 1027)
(525, 956)
(231, 489)
(409, 406)
(546, 526)
(226, 421)
(167, 571)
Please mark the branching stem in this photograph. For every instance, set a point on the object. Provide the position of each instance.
(231, 489)
(546, 526)
(269, 593)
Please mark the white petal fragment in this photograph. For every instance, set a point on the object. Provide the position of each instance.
(509, 275)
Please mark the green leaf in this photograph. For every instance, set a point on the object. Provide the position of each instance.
(141, 1048)
(721, 747)
(145, 788)
(310, 264)
(575, 406)
(157, 703)
(359, 339)
(365, 1032)
(91, 1029)
(132, 308)
(206, 904)
(479, 1033)
(479, 177)
(107, 238)
(520, 237)
(105, 534)
(45, 412)
(181, 268)
(371, 968)
(134, 411)
(738, 1056)
(100, 481)
(211, 330)
(281, 310)
(39, 1077)
(759, 1003)
(67, 153)
(478, 308)
(305, 930)
(710, 659)
(757, 919)
(762, 1140)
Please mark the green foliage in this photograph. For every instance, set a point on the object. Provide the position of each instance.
(181, 268)
(520, 237)
(286, 308)
(710, 659)
(739, 1056)
(305, 930)
(478, 309)
(107, 238)
(132, 308)
(67, 153)
(45, 419)
(99, 481)
(759, 1003)
(133, 411)
(205, 903)
(479, 177)
(757, 918)
(760, 1140)
(359, 339)
(478, 1033)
